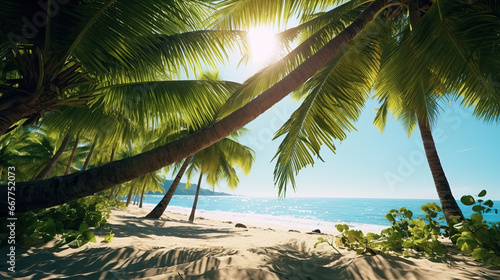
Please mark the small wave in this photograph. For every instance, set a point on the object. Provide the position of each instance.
(282, 222)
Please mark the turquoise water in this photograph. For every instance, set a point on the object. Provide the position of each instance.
(301, 212)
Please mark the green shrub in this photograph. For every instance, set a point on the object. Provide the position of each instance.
(74, 221)
(475, 236)
(420, 237)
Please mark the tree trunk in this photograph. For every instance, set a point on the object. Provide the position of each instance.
(451, 210)
(111, 159)
(87, 160)
(118, 192)
(142, 194)
(129, 196)
(53, 161)
(448, 202)
(191, 217)
(160, 208)
(38, 194)
(113, 151)
(111, 192)
(72, 156)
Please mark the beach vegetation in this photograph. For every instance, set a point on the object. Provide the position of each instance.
(334, 67)
(72, 223)
(423, 236)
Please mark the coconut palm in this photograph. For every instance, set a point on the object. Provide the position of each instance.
(25, 150)
(218, 163)
(162, 205)
(335, 95)
(124, 170)
(111, 52)
(318, 125)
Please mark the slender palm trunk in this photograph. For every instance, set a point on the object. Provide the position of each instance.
(130, 192)
(113, 152)
(118, 191)
(72, 156)
(142, 194)
(111, 191)
(111, 159)
(160, 208)
(87, 160)
(50, 165)
(448, 202)
(38, 194)
(451, 210)
(191, 216)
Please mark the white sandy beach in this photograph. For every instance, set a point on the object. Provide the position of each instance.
(172, 248)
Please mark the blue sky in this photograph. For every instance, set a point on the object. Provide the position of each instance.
(377, 165)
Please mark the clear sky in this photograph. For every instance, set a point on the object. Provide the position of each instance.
(372, 164)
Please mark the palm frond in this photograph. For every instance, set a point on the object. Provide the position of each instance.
(458, 44)
(334, 97)
(189, 102)
(270, 75)
(242, 14)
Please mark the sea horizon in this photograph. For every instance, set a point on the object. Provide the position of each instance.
(301, 213)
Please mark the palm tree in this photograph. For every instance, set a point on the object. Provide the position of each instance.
(335, 95)
(162, 205)
(124, 170)
(44, 173)
(419, 108)
(111, 52)
(292, 71)
(26, 150)
(217, 162)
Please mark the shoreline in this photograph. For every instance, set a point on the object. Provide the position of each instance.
(173, 248)
(284, 223)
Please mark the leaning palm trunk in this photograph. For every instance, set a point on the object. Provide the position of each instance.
(142, 194)
(111, 159)
(191, 217)
(448, 203)
(160, 208)
(32, 195)
(50, 165)
(89, 156)
(129, 196)
(72, 156)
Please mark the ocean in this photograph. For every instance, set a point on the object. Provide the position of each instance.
(304, 214)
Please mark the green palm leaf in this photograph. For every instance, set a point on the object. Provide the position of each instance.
(270, 75)
(333, 100)
(456, 47)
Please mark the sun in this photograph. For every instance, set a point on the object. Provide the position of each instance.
(263, 44)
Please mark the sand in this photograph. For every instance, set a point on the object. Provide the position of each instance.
(172, 248)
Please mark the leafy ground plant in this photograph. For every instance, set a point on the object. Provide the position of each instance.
(421, 236)
(75, 222)
(477, 237)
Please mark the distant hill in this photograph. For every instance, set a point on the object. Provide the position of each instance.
(181, 190)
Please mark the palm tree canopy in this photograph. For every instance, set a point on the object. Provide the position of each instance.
(85, 50)
(454, 49)
(218, 162)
